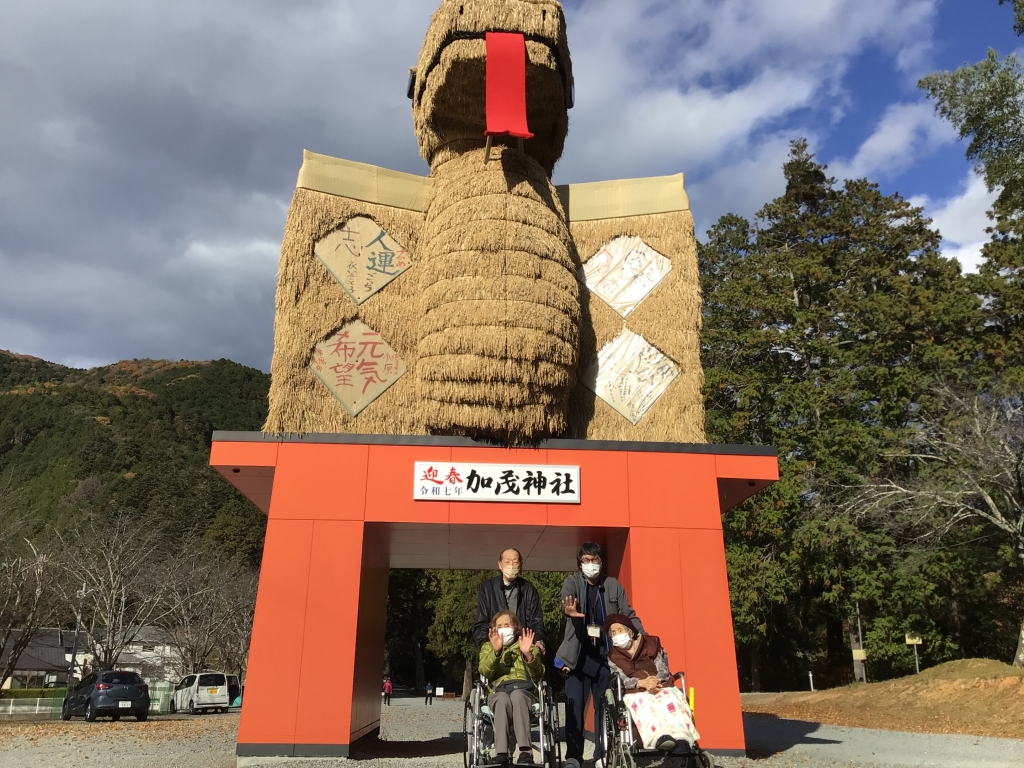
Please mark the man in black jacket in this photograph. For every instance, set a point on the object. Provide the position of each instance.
(509, 592)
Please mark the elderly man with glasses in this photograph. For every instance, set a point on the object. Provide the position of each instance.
(509, 591)
(588, 597)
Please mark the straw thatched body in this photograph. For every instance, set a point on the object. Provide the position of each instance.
(500, 301)
(499, 330)
(499, 338)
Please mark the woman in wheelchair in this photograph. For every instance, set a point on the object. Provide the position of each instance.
(513, 667)
(658, 708)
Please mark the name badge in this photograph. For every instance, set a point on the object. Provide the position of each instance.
(594, 630)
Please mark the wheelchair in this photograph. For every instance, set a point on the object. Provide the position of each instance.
(478, 727)
(621, 739)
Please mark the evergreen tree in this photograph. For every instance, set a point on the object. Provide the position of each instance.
(825, 324)
(985, 102)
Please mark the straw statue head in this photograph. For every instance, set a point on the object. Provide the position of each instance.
(447, 85)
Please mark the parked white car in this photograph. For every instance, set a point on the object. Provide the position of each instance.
(201, 692)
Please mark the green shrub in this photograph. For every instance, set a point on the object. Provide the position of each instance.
(33, 693)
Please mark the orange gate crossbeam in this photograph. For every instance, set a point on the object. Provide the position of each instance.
(341, 513)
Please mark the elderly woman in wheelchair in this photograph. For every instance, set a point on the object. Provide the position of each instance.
(640, 666)
(514, 668)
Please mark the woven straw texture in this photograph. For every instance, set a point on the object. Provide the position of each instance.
(490, 320)
(311, 306)
(669, 318)
(448, 101)
(500, 303)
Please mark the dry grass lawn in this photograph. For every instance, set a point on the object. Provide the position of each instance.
(977, 697)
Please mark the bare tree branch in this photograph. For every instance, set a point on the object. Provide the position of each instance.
(967, 463)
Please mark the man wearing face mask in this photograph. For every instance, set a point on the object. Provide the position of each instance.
(509, 592)
(588, 598)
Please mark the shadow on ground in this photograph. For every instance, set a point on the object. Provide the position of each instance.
(374, 749)
(768, 735)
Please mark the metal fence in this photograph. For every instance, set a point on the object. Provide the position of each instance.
(49, 709)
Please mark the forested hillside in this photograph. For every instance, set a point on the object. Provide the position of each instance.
(109, 510)
(133, 435)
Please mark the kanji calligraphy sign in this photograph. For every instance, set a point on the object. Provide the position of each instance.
(624, 272)
(362, 257)
(630, 375)
(529, 483)
(357, 365)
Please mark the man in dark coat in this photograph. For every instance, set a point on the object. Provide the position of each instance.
(509, 592)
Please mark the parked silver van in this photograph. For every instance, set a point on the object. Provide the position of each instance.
(201, 692)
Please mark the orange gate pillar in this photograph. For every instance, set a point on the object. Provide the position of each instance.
(317, 653)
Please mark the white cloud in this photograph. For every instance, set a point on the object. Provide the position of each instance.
(741, 186)
(149, 149)
(962, 220)
(905, 133)
(674, 86)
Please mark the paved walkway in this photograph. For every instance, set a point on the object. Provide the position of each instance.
(416, 736)
(768, 735)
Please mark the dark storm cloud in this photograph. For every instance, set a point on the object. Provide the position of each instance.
(148, 150)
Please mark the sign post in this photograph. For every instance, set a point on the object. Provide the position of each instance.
(914, 639)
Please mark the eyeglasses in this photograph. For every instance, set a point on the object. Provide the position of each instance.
(590, 559)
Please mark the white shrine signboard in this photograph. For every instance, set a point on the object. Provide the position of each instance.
(468, 481)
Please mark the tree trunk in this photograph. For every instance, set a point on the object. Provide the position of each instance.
(1018, 659)
(755, 667)
(421, 677)
(467, 680)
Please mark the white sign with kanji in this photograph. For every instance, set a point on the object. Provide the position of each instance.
(462, 481)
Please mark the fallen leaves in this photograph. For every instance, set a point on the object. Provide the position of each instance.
(153, 730)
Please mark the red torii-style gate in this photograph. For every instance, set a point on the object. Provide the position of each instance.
(341, 513)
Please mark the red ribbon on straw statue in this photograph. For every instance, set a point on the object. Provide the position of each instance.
(506, 85)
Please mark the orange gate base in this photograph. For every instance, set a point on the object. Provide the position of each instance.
(341, 513)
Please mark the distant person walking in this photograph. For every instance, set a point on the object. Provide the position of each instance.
(430, 695)
(388, 688)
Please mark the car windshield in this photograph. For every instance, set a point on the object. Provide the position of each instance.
(122, 678)
(211, 680)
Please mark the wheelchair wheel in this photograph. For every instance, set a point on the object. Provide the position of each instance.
(469, 748)
(472, 727)
(703, 760)
(615, 742)
(553, 745)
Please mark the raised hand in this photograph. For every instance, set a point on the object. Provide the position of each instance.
(571, 606)
(526, 641)
(497, 643)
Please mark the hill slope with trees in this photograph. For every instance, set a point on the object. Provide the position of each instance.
(131, 435)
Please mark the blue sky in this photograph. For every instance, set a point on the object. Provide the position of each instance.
(964, 31)
(148, 151)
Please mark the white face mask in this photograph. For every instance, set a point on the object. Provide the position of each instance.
(509, 571)
(507, 634)
(590, 570)
(621, 640)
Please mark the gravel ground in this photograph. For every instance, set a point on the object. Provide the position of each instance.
(413, 735)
